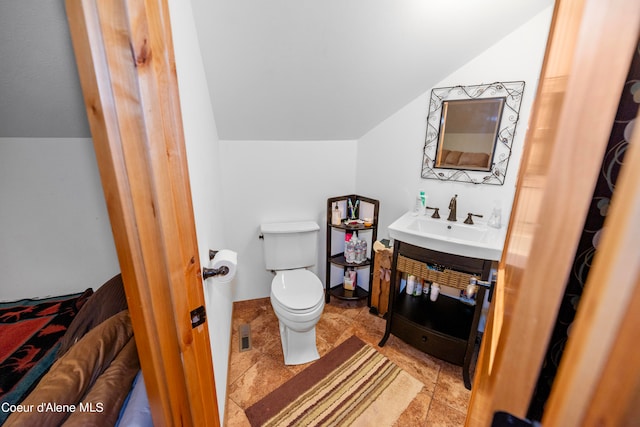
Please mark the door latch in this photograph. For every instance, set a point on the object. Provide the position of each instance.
(198, 316)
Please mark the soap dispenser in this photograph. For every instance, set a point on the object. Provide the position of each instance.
(420, 207)
(495, 220)
(336, 215)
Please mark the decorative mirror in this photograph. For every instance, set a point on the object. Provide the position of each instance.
(470, 132)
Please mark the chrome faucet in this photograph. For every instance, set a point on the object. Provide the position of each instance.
(453, 206)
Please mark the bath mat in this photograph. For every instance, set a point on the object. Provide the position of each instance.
(352, 385)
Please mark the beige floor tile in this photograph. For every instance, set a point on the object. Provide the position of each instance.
(258, 381)
(416, 413)
(240, 362)
(246, 311)
(441, 415)
(422, 366)
(450, 389)
(332, 325)
(234, 415)
(255, 373)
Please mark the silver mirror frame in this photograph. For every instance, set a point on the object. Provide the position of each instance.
(512, 92)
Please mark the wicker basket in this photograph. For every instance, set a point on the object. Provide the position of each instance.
(452, 278)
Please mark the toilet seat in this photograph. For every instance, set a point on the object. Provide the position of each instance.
(297, 290)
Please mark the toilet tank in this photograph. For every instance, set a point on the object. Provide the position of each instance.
(290, 245)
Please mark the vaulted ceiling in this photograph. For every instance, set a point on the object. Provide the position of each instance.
(276, 70)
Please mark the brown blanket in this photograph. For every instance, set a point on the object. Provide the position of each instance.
(88, 383)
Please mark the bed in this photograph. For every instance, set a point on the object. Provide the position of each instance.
(72, 361)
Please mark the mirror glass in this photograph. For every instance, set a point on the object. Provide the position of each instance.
(470, 131)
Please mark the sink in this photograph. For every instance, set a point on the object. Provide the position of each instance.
(476, 241)
(448, 229)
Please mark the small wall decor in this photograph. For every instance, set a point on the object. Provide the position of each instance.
(470, 132)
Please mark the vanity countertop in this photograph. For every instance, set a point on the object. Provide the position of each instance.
(477, 240)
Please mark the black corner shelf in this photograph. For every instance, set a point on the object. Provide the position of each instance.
(354, 227)
(341, 293)
(339, 259)
(366, 207)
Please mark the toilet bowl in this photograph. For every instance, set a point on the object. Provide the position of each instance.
(297, 295)
(297, 298)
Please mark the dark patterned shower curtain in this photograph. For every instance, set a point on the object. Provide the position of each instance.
(591, 234)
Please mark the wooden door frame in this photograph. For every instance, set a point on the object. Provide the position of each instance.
(126, 64)
(587, 60)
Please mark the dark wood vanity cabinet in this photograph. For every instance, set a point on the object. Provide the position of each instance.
(445, 328)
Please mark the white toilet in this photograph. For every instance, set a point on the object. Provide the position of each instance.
(297, 294)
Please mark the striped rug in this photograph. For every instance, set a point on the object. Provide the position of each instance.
(352, 385)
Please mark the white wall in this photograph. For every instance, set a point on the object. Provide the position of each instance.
(55, 236)
(390, 155)
(291, 180)
(271, 181)
(203, 157)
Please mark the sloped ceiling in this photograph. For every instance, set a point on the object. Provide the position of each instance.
(276, 70)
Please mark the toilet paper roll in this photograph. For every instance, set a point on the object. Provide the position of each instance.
(225, 258)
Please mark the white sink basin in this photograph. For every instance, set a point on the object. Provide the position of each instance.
(477, 240)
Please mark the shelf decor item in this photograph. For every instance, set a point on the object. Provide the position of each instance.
(381, 278)
(349, 246)
(353, 209)
(350, 280)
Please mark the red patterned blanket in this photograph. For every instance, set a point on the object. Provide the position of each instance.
(30, 330)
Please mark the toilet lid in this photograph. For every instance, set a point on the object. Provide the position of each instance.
(297, 289)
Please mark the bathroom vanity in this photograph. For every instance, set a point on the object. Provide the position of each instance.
(447, 327)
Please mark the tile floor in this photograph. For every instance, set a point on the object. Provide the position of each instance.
(253, 374)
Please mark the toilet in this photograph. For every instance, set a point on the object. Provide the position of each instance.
(297, 294)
